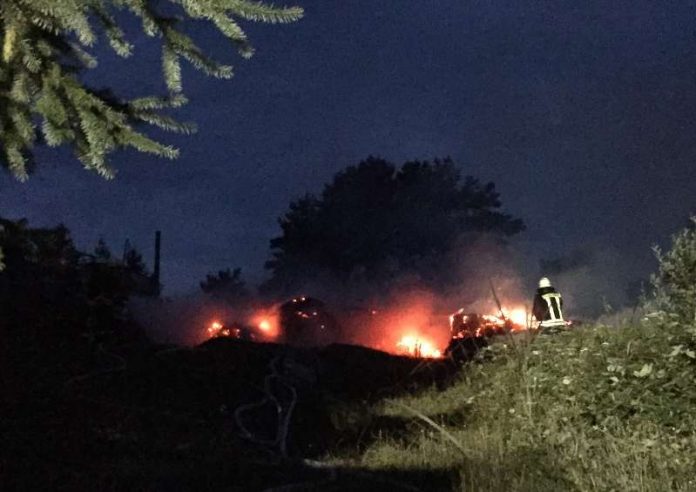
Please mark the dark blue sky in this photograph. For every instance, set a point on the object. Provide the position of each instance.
(581, 112)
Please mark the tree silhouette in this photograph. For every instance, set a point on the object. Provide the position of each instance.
(133, 261)
(44, 249)
(226, 285)
(374, 218)
(51, 288)
(102, 251)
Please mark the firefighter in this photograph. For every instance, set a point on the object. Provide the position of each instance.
(548, 305)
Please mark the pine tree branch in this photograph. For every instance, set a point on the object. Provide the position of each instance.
(46, 45)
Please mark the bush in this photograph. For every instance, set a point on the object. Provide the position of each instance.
(675, 283)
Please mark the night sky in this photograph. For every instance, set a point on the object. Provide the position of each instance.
(582, 113)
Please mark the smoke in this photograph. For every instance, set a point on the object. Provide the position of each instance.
(385, 323)
(184, 320)
(374, 308)
(593, 281)
(379, 307)
(462, 275)
(483, 264)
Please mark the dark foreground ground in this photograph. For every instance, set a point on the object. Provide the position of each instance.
(227, 415)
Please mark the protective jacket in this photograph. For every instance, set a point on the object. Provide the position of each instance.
(548, 307)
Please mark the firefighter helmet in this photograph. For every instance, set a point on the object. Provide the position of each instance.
(544, 282)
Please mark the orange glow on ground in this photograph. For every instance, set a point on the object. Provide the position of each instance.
(404, 325)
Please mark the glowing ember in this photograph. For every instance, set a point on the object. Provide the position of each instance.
(265, 325)
(467, 325)
(262, 325)
(493, 319)
(214, 328)
(217, 329)
(418, 347)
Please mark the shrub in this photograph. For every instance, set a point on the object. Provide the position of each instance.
(675, 282)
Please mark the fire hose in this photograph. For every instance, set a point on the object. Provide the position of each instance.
(283, 410)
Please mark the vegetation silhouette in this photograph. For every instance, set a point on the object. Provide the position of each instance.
(227, 286)
(376, 220)
(60, 304)
(46, 47)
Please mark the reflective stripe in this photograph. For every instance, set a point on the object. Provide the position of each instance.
(553, 300)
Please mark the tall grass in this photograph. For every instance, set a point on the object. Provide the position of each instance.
(599, 408)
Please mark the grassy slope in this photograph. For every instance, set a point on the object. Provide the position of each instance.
(597, 408)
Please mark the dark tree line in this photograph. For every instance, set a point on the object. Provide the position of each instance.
(377, 218)
(63, 315)
(50, 288)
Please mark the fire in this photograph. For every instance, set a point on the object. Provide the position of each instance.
(418, 347)
(267, 322)
(465, 324)
(214, 328)
(518, 316)
(265, 325)
(261, 325)
(411, 325)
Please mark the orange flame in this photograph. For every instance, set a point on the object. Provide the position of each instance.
(267, 322)
(518, 316)
(418, 347)
(214, 328)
